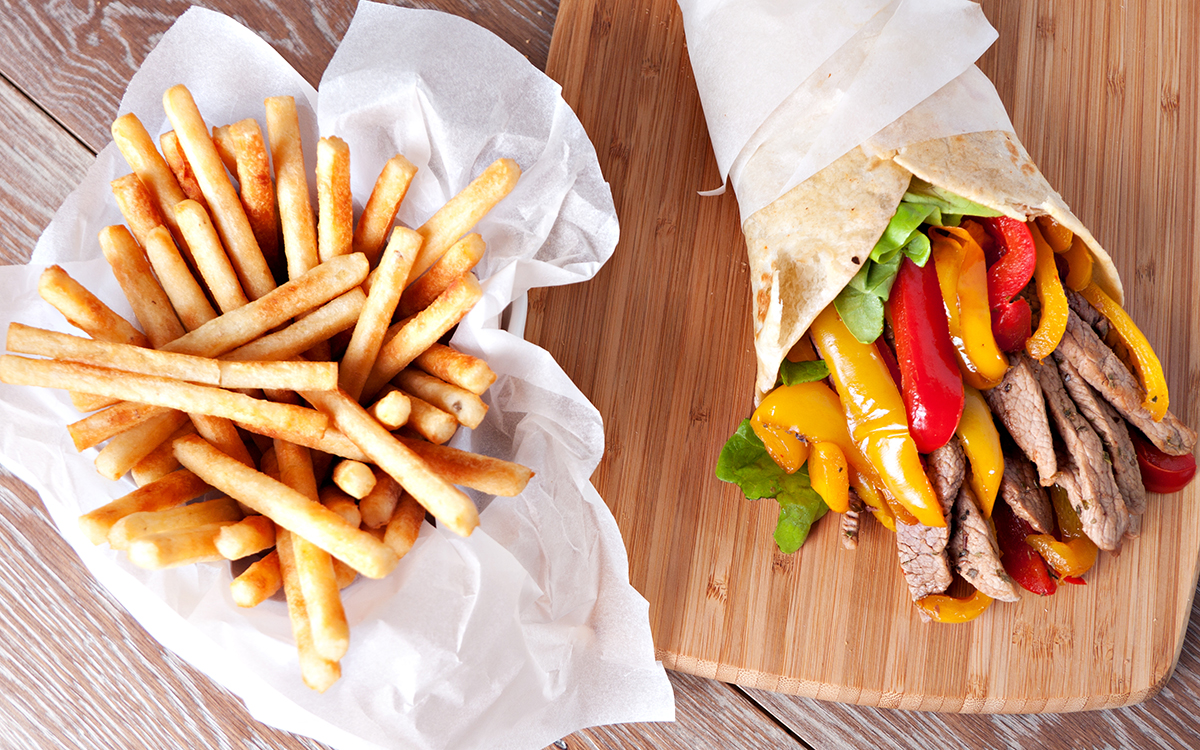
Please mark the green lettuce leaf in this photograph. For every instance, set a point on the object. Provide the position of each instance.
(792, 373)
(745, 462)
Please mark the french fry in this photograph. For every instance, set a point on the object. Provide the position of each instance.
(430, 422)
(23, 339)
(296, 297)
(192, 515)
(263, 417)
(354, 478)
(377, 505)
(404, 525)
(222, 137)
(464, 211)
(287, 507)
(335, 209)
(175, 548)
(419, 332)
(151, 168)
(339, 502)
(249, 535)
(493, 476)
(456, 368)
(137, 206)
(255, 187)
(462, 256)
(174, 489)
(160, 461)
(96, 428)
(379, 213)
(319, 376)
(447, 504)
(212, 262)
(131, 446)
(344, 574)
(150, 304)
(188, 299)
(222, 433)
(227, 212)
(184, 174)
(85, 311)
(291, 186)
(465, 406)
(318, 672)
(258, 582)
(392, 409)
(332, 317)
(377, 312)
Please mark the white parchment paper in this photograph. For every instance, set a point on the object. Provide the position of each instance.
(788, 87)
(514, 637)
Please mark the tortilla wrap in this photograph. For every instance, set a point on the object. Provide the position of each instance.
(806, 246)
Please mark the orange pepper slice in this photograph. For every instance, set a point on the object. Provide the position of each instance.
(1145, 361)
(1053, 322)
(1057, 236)
(962, 275)
(828, 473)
(981, 443)
(945, 608)
(1079, 265)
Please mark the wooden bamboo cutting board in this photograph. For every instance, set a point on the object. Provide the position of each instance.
(1106, 101)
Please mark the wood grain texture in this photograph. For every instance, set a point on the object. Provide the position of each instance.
(1104, 99)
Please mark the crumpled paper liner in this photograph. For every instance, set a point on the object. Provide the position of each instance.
(520, 634)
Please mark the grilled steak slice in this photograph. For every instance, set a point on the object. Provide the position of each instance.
(922, 551)
(976, 554)
(1103, 513)
(1105, 372)
(1086, 312)
(1018, 402)
(947, 467)
(1020, 489)
(1112, 430)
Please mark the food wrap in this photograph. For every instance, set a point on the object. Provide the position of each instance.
(527, 630)
(820, 113)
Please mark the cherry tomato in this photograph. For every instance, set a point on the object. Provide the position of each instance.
(1162, 472)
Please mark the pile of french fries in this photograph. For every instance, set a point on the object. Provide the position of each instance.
(266, 369)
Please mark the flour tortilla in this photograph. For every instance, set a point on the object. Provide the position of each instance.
(806, 246)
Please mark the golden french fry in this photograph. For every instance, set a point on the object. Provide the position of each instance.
(222, 136)
(335, 209)
(227, 212)
(377, 505)
(255, 187)
(296, 297)
(339, 502)
(137, 206)
(354, 478)
(404, 525)
(447, 504)
(377, 217)
(377, 312)
(259, 416)
(177, 280)
(291, 186)
(150, 304)
(419, 332)
(456, 368)
(319, 376)
(287, 507)
(222, 433)
(96, 428)
(464, 211)
(392, 409)
(344, 574)
(184, 175)
(212, 262)
(174, 489)
(174, 548)
(131, 446)
(249, 535)
(494, 476)
(258, 582)
(24, 339)
(332, 317)
(318, 672)
(160, 461)
(465, 406)
(155, 174)
(430, 422)
(190, 516)
(462, 256)
(85, 311)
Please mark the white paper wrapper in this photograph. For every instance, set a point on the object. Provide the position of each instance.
(514, 637)
(788, 87)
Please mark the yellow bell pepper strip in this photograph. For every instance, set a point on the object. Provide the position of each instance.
(946, 608)
(799, 416)
(962, 275)
(785, 449)
(981, 443)
(1145, 361)
(1057, 236)
(875, 415)
(829, 475)
(1053, 322)
(1075, 554)
(1079, 265)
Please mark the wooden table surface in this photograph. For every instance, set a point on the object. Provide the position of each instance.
(78, 671)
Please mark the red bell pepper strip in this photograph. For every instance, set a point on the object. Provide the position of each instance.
(931, 384)
(1162, 472)
(1020, 561)
(1007, 276)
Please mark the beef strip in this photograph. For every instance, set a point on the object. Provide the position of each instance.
(976, 554)
(1112, 430)
(1088, 314)
(1103, 513)
(947, 467)
(922, 551)
(1104, 371)
(1018, 402)
(1020, 489)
